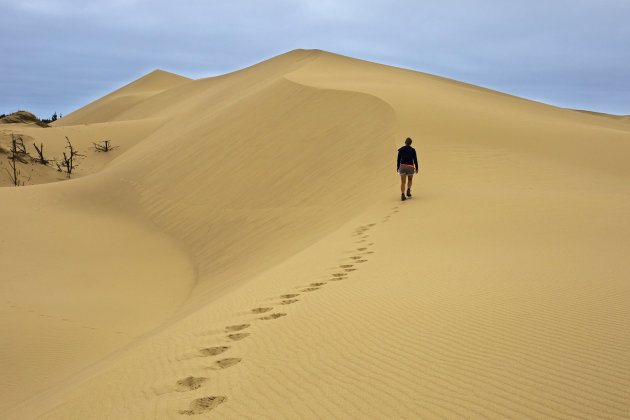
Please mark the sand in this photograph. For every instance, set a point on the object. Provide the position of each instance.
(244, 253)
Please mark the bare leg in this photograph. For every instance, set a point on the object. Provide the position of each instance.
(409, 181)
(403, 178)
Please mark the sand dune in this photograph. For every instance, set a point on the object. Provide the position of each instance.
(109, 107)
(244, 253)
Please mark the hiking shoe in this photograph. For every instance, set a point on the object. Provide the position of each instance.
(408, 192)
(402, 197)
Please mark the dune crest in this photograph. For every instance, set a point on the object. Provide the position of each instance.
(107, 108)
(244, 253)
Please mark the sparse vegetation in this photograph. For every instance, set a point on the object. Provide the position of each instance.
(53, 118)
(68, 163)
(40, 153)
(18, 152)
(103, 146)
(18, 148)
(26, 117)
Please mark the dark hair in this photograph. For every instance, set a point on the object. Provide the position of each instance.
(408, 141)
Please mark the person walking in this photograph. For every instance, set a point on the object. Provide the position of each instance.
(407, 158)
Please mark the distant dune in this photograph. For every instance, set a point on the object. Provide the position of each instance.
(22, 117)
(110, 106)
(244, 252)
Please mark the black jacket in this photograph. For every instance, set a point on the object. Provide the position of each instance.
(407, 156)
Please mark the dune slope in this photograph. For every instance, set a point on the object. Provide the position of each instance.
(256, 224)
(108, 108)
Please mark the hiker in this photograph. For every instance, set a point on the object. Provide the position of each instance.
(407, 158)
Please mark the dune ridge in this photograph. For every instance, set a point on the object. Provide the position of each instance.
(108, 108)
(256, 218)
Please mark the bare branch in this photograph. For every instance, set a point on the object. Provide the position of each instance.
(40, 152)
(104, 147)
(18, 145)
(68, 160)
(15, 151)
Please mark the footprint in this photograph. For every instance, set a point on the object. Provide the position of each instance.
(351, 269)
(238, 336)
(236, 327)
(345, 265)
(261, 310)
(290, 295)
(361, 249)
(273, 316)
(203, 405)
(372, 224)
(289, 301)
(339, 274)
(213, 351)
(361, 261)
(226, 363)
(310, 289)
(189, 383)
(356, 257)
(321, 283)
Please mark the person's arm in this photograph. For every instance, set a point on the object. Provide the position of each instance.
(398, 161)
(415, 160)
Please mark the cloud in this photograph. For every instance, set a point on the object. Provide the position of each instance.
(60, 54)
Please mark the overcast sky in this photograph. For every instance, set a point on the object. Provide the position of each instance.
(58, 55)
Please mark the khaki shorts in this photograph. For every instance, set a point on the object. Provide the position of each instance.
(406, 170)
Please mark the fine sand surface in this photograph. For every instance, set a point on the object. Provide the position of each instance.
(244, 253)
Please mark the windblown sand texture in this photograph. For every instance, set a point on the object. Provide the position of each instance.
(244, 253)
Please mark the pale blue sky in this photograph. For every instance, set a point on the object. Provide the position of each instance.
(58, 55)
